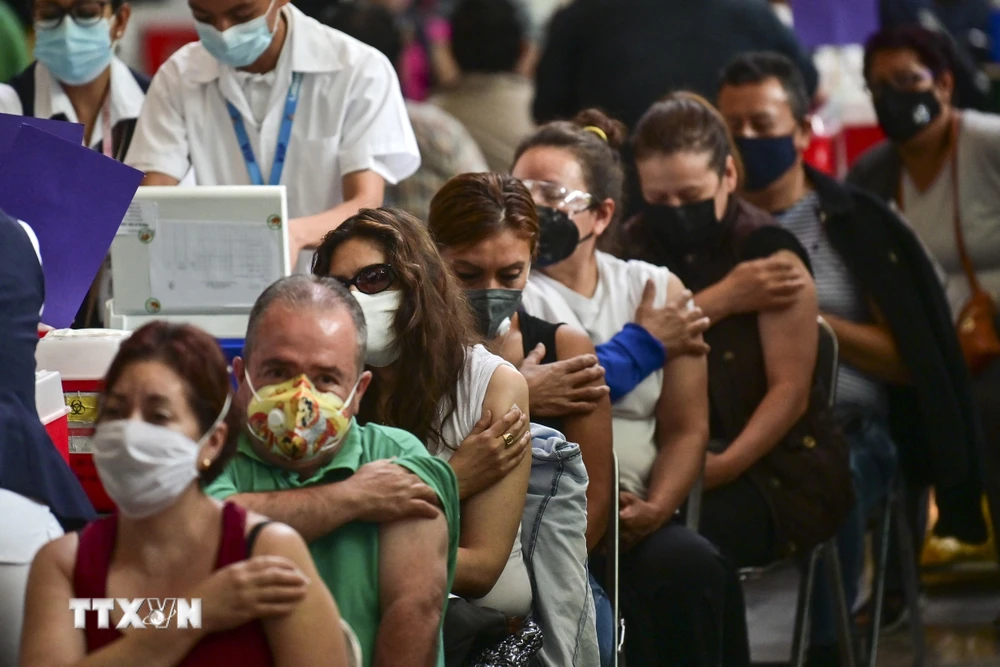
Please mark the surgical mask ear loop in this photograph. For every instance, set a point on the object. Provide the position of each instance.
(218, 420)
(350, 397)
(268, 11)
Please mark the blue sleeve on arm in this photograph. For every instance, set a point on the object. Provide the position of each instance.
(629, 358)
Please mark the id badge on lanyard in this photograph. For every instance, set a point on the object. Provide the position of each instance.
(284, 136)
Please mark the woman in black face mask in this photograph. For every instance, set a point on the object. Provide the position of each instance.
(761, 363)
(487, 229)
(939, 168)
(682, 603)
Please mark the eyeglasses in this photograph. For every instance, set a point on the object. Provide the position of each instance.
(907, 81)
(554, 195)
(371, 279)
(50, 15)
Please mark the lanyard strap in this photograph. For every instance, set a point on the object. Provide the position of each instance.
(106, 139)
(284, 136)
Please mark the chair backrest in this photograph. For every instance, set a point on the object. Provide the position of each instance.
(827, 360)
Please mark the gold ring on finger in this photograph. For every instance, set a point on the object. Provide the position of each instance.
(508, 439)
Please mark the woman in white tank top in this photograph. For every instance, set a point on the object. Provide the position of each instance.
(431, 378)
(682, 600)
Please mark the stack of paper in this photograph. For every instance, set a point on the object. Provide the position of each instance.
(74, 199)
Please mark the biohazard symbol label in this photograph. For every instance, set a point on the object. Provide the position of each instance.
(82, 408)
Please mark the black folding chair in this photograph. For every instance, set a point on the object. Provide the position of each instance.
(827, 364)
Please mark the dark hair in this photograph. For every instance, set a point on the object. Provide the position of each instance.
(372, 24)
(487, 35)
(758, 67)
(684, 122)
(473, 207)
(29, 6)
(933, 50)
(197, 359)
(433, 326)
(306, 291)
(594, 139)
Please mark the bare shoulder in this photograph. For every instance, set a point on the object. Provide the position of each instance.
(674, 286)
(572, 342)
(506, 377)
(506, 380)
(59, 555)
(279, 539)
(253, 520)
(793, 258)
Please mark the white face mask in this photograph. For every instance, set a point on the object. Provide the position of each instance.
(145, 468)
(380, 313)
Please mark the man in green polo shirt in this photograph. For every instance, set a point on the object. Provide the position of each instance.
(380, 514)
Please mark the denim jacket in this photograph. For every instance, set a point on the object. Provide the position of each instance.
(554, 544)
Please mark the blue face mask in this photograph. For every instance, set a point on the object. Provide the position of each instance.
(239, 45)
(766, 159)
(74, 54)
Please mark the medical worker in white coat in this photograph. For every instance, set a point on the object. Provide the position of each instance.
(270, 96)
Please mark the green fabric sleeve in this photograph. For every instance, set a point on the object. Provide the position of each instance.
(224, 485)
(14, 55)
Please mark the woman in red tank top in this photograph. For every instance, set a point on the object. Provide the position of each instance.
(162, 434)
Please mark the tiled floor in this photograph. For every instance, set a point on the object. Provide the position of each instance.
(959, 612)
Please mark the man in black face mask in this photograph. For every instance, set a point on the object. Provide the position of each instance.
(902, 378)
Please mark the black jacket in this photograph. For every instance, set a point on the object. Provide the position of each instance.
(30, 465)
(933, 419)
(623, 55)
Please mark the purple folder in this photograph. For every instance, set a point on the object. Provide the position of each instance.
(74, 199)
(834, 22)
(10, 125)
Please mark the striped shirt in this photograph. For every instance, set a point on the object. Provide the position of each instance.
(839, 295)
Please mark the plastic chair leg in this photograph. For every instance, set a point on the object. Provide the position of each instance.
(845, 632)
(881, 567)
(911, 578)
(619, 660)
(800, 635)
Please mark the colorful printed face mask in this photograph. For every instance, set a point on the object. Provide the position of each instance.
(297, 421)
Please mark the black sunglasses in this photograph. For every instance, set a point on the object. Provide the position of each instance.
(372, 279)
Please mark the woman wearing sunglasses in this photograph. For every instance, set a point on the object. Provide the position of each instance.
(467, 405)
